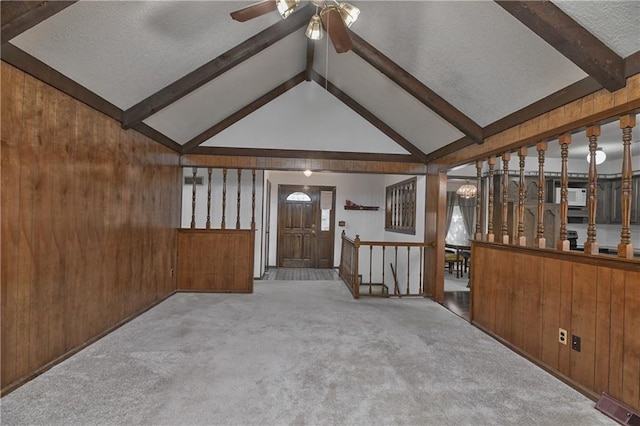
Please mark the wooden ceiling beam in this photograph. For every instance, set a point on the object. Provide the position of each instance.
(311, 47)
(417, 154)
(416, 88)
(242, 113)
(570, 39)
(19, 16)
(216, 67)
(298, 153)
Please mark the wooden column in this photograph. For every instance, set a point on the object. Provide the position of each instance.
(193, 199)
(209, 171)
(223, 225)
(522, 154)
(505, 196)
(478, 234)
(591, 246)
(490, 235)
(564, 141)
(541, 241)
(238, 202)
(625, 248)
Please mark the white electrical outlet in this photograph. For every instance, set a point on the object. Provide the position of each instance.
(562, 336)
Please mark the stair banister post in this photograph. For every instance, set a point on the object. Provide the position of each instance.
(625, 248)
(564, 141)
(356, 283)
(591, 245)
(541, 241)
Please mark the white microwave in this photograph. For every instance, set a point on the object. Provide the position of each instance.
(575, 197)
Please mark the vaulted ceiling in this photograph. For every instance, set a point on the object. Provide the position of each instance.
(422, 79)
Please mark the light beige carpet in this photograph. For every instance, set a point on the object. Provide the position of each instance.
(297, 353)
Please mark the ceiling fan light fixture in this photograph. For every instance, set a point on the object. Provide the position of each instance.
(286, 7)
(314, 29)
(600, 156)
(467, 191)
(349, 13)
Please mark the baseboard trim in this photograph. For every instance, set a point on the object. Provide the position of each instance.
(555, 373)
(21, 381)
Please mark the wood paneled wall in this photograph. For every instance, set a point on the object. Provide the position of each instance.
(525, 295)
(216, 260)
(89, 219)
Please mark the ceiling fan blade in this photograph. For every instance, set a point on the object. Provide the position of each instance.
(254, 10)
(337, 30)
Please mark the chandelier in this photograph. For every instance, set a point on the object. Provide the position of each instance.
(467, 191)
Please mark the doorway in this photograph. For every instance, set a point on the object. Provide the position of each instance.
(306, 216)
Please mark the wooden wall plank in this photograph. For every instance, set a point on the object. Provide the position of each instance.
(551, 297)
(583, 323)
(25, 205)
(532, 285)
(13, 356)
(631, 330)
(616, 351)
(516, 286)
(603, 332)
(84, 235)
(566, 293)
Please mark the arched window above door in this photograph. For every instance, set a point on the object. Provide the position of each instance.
(299, 196)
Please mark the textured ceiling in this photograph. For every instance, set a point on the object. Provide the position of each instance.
(474, 54)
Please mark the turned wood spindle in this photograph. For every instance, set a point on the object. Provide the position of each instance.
(522, 155)
(591, 245)
(564, 141)
(490, 235)
(408, 268)
(478, 234)
(541, 241)
(625, 248)
(370, 266)
(209, 171)
(193, 198)
(421, 289)
(505, 197)
(253, 199)
(238, 203)
(224, 198)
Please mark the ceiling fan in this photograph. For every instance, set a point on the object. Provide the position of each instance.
(334, 16)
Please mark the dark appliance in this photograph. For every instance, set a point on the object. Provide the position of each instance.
(572, 236)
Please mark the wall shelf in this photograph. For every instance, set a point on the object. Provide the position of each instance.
(368, 208)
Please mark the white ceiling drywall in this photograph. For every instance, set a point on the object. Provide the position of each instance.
(473, 54)
(127, 50)
(306, 117)
(243, 84)
(384, 99)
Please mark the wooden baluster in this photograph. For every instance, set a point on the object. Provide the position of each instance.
(421, 285)
(522, 155)
(193, 199)
(253, 199)
(408, 268)
(564, 141)
(209, 171)
(490, 235)
(238, 204)
(356, 285)
(541, 241)
(370, 265)
(383, 253)
(478, 234)
(224, 197)
(625, 248)
(505, 196)
(591, 245)
(396, 289)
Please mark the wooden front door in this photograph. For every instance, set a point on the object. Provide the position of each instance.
(304, 239)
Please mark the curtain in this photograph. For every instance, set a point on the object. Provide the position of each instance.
(468, 210)
(452, 199)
